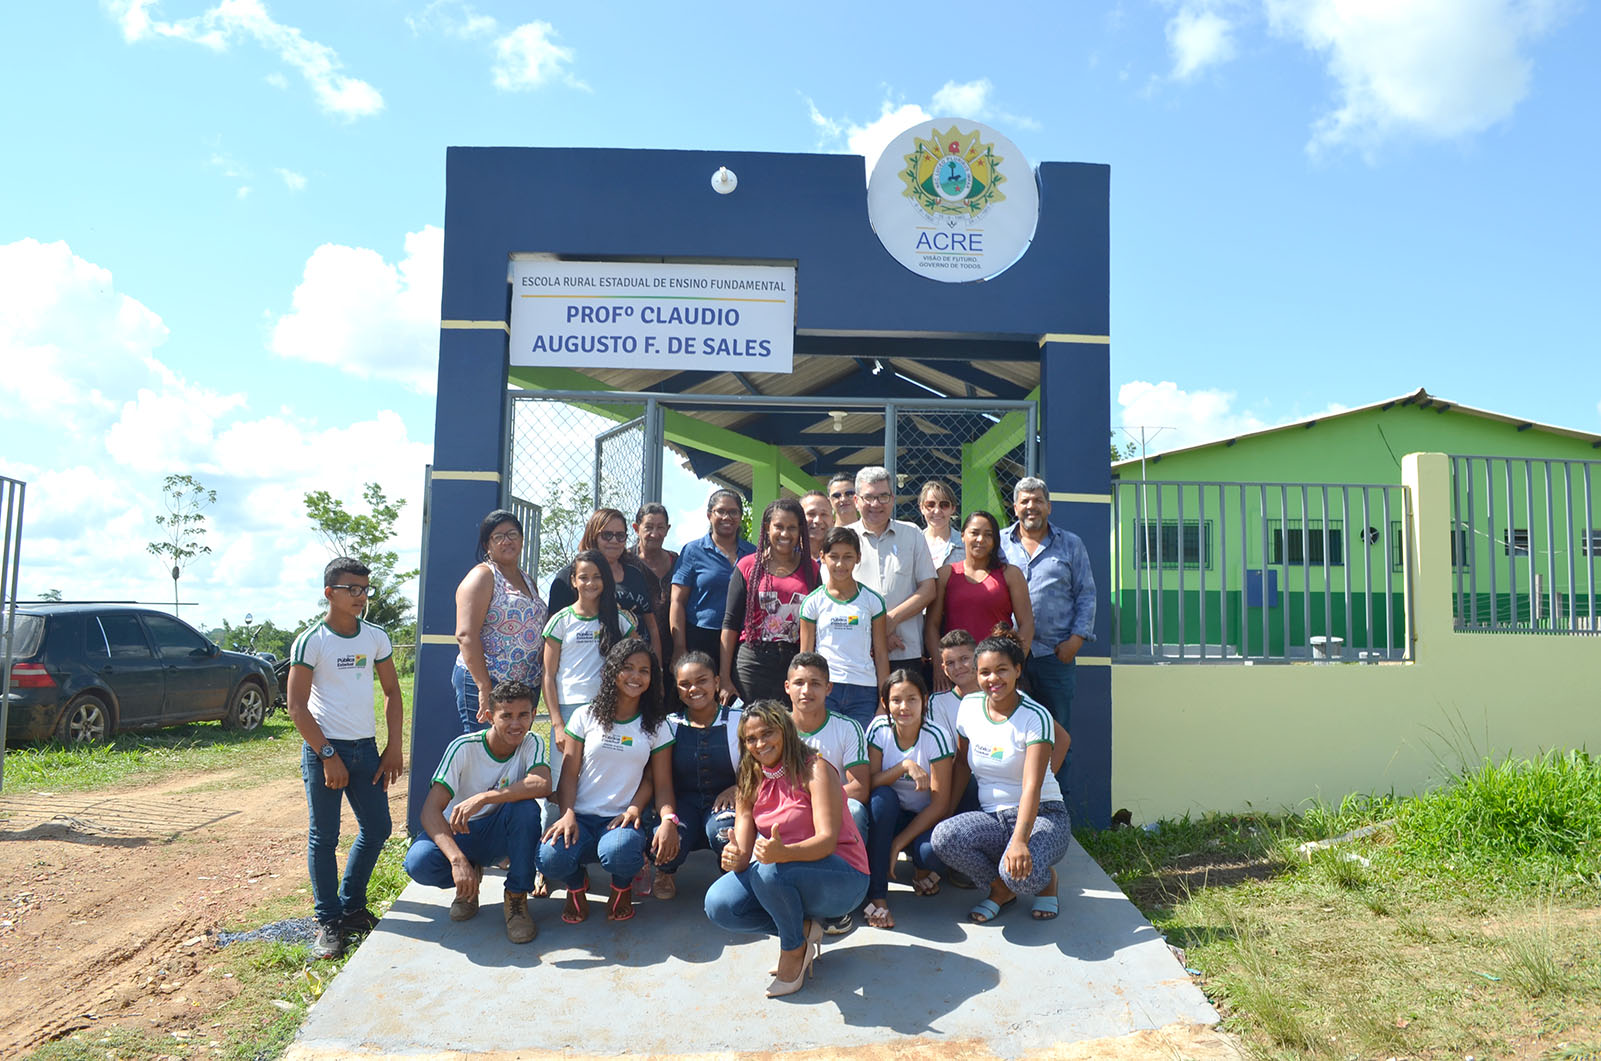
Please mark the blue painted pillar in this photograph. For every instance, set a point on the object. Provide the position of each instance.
(1075, 379)
(465, 487)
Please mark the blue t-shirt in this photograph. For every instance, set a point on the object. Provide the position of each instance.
(705, 570)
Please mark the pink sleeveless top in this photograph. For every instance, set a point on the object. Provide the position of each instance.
(788, 806)
(976, 606)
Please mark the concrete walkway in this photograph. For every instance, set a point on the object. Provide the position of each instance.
(670, 983)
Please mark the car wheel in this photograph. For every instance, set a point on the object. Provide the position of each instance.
(248, 710)
(87, 720)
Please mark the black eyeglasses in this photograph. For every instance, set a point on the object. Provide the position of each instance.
(355, 590)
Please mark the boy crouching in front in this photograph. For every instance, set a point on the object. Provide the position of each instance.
(482, 809)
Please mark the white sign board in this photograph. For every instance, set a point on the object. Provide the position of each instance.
(953, 200)
(658, 315)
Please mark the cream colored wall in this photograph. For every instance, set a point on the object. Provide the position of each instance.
(1196, 738)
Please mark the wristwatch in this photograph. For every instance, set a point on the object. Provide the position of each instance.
(325, 752)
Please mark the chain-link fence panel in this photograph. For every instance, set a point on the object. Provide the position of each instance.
(620, 468)
(979, 456)
(551, 468)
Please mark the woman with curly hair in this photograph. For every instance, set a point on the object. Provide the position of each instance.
(795, 856)
(607, 533)
(761, 625)
(617, 754)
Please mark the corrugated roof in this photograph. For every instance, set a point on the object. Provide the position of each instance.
(1420, 398)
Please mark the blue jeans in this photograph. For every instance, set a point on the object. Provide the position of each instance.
(1053, 682)
(858, 702)
(620, 852)
(699, 829)
(331, 897)
(509, 831)
(889, 818)
(779, 897)
(466, 699)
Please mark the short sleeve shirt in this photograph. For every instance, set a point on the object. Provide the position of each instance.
(845, 632)
(893, 563)
(469, 767)
(341, 677)
(578, 677)
(931, 745)
(995, 750)
(942, 710)
(839, 741)
(614, 761)
(704, 569)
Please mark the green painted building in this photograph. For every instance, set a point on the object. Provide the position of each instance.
(1261, 544)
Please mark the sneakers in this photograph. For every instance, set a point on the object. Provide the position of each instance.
(329, 942)
(360, 922)
(520, 927)
(836, 926)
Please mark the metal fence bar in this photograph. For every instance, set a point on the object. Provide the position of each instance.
(1389, 566)
(15, 494)
(1367, 573)
(1489, 516)
(1345, 511)
(1142, 551)
(1567, 521)
(1182, 568)
(1159, 641)
(1512, 550)
(1345, 532)
(1116, 531)
(1550, 551)
(1528, 538)
(1223, 571)
(1592, 539)
(1267, 637)
(1462, 543)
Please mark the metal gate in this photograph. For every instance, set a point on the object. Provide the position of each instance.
(12, 494)
(569, 452)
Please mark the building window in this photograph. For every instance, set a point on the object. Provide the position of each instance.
(1590, 544)
(1288, 542)
(1518, 544)
(1461, 557)
(1193, 546)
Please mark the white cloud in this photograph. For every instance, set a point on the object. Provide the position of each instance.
(295, 182)
(529, 57)
(968, 99)
(1198, 38)
(1440, 69)
(357, 312)
(243, 192)
(231, 20)
(452, 18)
(1183, 417)
(71, 341)
(277, 80)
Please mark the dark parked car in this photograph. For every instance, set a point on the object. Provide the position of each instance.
(84, 671)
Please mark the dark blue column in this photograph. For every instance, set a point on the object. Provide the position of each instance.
(1075, 424)
(465, 485)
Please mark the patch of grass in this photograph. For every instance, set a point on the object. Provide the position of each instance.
(200, 747)
(109, 1044)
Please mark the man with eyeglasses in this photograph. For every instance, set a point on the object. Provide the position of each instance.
(331, 670)
(896, 563)
(842, 495)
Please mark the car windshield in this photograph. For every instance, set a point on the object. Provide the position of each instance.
(29, 632)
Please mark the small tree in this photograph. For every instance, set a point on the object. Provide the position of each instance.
(184, 525)
(561, 525)
(51, 595)
(366, 538)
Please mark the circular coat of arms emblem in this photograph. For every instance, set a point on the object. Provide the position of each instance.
(953, 200)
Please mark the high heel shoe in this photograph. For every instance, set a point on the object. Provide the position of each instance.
(779, 988)
(814, 940)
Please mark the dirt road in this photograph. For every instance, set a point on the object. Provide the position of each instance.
(110, 901)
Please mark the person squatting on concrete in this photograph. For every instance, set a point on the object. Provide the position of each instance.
(483, 807)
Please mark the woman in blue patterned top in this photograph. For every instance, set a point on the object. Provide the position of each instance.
(500, 620)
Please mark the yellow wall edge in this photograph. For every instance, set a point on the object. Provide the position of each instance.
(1056, 337)
(438, 639)
(1090, 499)
(492, 326)
(477, 477)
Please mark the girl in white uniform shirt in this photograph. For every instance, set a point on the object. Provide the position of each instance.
(1005, 740)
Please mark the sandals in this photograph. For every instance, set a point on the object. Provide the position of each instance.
(577, 909)
(621, 905)
(925, 882)
(988, 910)
(878, 915)
(541, 887)
(1046, 907)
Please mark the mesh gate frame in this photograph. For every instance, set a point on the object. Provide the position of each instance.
(653, 405)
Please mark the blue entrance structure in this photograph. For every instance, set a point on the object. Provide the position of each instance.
(1043, 321)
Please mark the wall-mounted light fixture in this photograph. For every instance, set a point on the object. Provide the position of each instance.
(724, 181)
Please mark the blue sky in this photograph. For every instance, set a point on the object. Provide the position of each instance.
(219, 239)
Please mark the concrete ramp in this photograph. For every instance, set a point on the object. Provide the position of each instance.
(670, 983)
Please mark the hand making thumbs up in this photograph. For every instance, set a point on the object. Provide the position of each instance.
(771, 849)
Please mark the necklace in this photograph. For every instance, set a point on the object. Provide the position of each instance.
(773, 775)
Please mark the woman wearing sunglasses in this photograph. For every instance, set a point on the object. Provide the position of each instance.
(607, 532)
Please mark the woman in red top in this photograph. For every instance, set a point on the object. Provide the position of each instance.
(761, 624)
(980, 592)
(809, 860)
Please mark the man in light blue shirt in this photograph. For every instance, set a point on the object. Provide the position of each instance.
(1061, 588)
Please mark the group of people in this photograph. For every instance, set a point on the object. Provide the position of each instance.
(849, 688)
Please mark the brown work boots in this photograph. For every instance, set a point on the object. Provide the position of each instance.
(520, 927)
